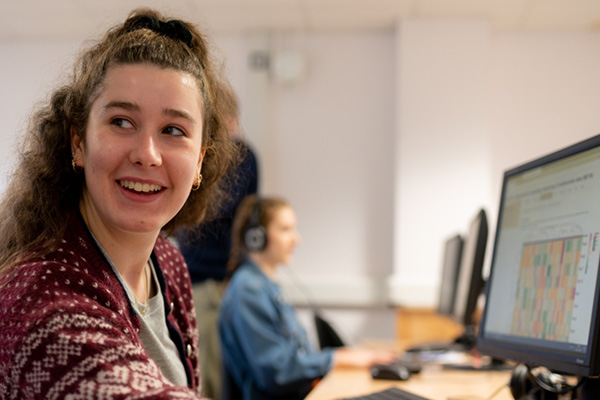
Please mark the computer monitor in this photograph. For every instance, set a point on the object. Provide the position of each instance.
(470, 283)
(451, 263)
(542, 294)
(464, 286)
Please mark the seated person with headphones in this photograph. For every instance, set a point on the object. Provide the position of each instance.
(266, 352)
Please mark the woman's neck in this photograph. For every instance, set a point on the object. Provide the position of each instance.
(268, 268)
(128, 251)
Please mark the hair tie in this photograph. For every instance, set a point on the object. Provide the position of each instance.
(173, 29)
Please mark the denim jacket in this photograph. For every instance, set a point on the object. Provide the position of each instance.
(264, 347)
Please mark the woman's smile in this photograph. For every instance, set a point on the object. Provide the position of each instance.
(140, 187)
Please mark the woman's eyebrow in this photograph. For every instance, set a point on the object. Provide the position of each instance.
(121, 104)
(179, 114)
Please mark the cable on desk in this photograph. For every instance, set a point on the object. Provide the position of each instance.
(497, 392)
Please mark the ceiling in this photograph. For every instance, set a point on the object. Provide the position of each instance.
(65, 19)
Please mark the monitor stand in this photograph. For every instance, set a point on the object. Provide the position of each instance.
(495, 364)
(464, 342)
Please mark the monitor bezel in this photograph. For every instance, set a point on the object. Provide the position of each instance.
(526, 354)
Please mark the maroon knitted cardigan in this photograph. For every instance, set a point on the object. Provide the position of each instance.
(67, 329)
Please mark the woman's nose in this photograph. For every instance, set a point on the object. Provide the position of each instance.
(146, 151)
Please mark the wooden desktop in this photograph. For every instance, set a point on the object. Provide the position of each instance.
(433, 382)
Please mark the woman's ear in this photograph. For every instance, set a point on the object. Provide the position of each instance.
(76, 147)
(202, 153)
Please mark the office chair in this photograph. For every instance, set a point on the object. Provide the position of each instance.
(327, 336)
(229, 389)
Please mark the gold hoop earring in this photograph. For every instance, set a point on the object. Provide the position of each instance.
(197, 183)
(76, 167)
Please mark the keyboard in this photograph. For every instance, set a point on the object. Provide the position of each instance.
(389, 394)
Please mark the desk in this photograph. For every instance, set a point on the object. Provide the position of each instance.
(433, 382)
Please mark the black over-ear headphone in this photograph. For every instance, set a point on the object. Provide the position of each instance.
(523, 386)
(255, 237)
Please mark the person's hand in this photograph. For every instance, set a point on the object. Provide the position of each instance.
(358, 357)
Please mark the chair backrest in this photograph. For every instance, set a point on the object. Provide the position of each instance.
(229, 389)
(327, 336)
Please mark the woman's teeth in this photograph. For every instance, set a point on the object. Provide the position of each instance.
(140, 187)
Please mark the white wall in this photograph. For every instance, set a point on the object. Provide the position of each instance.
(387, 145)
(544, 97)
(327, 149)
(473, 104)
(442, 146)
(28, 72)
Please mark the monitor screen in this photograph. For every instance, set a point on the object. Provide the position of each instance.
(470, 281)
(542, 292)
(452, 253)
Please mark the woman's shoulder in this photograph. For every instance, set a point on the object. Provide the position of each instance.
(71, 279)
(248, 279)
(52, 284)
(172, 264)
(75, 265)
(168, 254)
(58, 270)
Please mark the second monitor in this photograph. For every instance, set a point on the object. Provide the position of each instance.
(470, 280)
(453, 247)
(462, 284)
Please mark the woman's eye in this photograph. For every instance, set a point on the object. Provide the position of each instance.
(171, 130)
(121, 123)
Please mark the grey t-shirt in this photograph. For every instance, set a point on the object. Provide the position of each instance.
(155, 337)
(154, 333)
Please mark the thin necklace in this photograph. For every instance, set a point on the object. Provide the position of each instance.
(144, 307)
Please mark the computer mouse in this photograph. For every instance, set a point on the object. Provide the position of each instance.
(394, 372)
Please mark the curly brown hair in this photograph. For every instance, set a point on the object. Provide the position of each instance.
(45, 188)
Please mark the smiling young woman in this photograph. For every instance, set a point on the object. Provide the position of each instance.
(94, 300)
